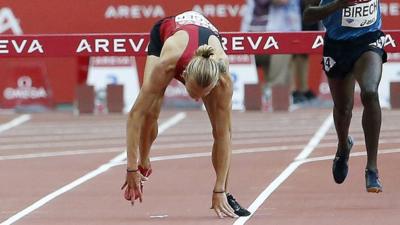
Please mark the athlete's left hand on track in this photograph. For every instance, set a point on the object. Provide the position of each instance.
(133, 187)
(221, 206)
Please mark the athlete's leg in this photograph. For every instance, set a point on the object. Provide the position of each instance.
(262, 61)
(367, 72)
(300, 66)
(342, 91)
(279, 73)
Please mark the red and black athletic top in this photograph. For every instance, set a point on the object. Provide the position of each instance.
(198, 29)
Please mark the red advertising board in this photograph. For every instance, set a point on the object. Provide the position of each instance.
(391, 14)
(234, 43)
(110, 16)
(25, 85)
(100, 16)
(118, 16)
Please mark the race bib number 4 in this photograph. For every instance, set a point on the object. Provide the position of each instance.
(362, 14)
(329, 62)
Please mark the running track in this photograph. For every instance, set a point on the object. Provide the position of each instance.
(56, 168)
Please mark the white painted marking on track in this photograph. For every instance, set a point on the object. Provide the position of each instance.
(117, 149)
(55, 194)
(158, 216)
(205, 154)
(62, 153)
(239, 152)
(167, 124)
(354, 154)
(15, 122)
(103, 168)
(289, 170)
(300, 159)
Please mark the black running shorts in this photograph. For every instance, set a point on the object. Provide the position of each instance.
(155, 44)
(339, 56)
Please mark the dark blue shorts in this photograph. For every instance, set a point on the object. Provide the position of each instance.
(339, 56)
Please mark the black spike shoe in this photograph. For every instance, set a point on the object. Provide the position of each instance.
(372, 182)
(340, 166)
(239, 210)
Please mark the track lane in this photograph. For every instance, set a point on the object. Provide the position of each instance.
(104, 203)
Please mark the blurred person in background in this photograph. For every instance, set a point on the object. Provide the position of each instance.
(353, 52)
(186, 47)
(302, 92)
(279, 69)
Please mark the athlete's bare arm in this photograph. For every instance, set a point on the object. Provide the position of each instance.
(315, 12)
(151, 92)
(218, 105)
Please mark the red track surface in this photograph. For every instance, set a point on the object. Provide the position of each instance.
(49, 151)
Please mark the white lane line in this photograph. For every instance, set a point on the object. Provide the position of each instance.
(118, 149)
(237, 152)
(206, 154)
(289, 170)
(22, 146)
(119, 161)
(103, 168)
(15, 122)
(107, 166)
(164, 126)
(62, 153)
(354, 154)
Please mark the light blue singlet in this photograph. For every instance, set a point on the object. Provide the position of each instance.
(354, 21)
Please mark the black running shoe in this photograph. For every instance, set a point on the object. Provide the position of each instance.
(239, 210)
(372, 181)
(340, 166)
(309, 95)
(298, 97)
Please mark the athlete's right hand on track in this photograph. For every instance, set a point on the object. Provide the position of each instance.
(221, 206)
(133, 186)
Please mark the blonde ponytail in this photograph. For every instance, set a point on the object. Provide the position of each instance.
(203, 68)
(204, 51)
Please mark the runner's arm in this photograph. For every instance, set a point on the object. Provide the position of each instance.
(150, 93)
(315, 12)
(218, 105)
